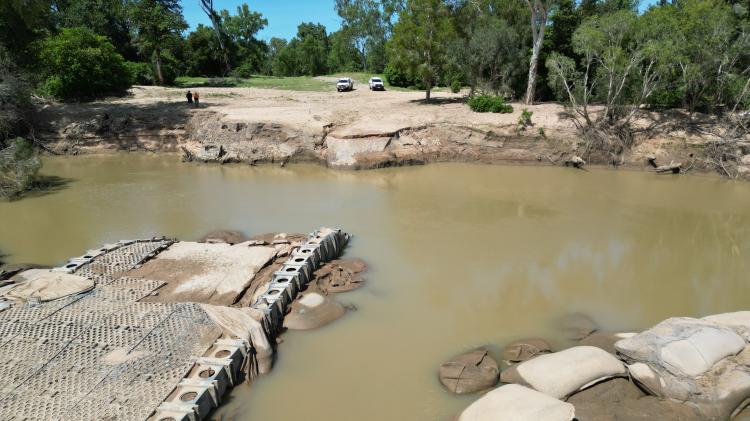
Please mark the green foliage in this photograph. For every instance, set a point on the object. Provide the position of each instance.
(305, 55)
(456, 85)
(19, 164)
(206, 56)
(78, 64)
(524, 120)
(489, 104)
(14, 99)
(395, 75)
(139, 73)
(419, 45)
(157, 23)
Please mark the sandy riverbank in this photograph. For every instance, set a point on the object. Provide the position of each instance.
(359, 129)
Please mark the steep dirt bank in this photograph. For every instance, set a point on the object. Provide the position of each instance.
(356, 130)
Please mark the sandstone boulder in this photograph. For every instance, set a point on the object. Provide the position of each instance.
(691, 360)
(563, 373)
(605, 340)
(524, 350)
(312, 311)
(738, 321)
(517, 403)
(621, 400)
(469, 373)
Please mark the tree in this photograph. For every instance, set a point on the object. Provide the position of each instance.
(157, 22)
(208, 7)
(104, 17)
(343, 55)
(206, 57)
(78, 64)
(364, 23)
(540, 10)
(420, 41)
(241, 30)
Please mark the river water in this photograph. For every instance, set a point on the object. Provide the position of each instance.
(461, 256)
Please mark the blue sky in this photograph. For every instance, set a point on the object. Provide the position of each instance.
(283, 15)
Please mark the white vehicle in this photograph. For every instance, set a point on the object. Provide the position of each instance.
(376, 84)
(345, 84)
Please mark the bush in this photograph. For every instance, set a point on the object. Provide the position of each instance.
(245, 70)
(663, 99)
(524, 120)
(78, 64)
(139, 73)
(489, 104)
(15, 102)
(19, 164)
(398, 77)
(456, 85)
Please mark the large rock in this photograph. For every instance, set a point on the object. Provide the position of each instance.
(605, 340)
(470, 372)
(563, 373)
(517, 403)
(576, 326)
(223, 236)
(738, 321)
(524, 350)
(340, 275)
(691, 360)
(620, 400)
(312, 311)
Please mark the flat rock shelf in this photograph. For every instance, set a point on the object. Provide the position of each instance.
(162, 347)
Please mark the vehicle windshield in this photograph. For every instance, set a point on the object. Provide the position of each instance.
(376, 80)
(343, 80)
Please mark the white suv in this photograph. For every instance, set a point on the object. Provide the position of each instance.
(376, 84)
(345, 84)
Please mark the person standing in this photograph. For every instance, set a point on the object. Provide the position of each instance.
(189, 96)
(196, 98)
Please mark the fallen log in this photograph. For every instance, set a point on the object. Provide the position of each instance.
(674, 168)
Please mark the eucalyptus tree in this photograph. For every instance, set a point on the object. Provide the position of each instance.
(540, 12)
(157, 21)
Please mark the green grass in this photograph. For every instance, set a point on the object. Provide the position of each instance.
(296, 83)
(301, 83)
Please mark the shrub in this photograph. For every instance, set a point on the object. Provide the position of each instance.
(19, 164)
(524, 120)
(456, 85)
(398, 77)
(140, 73)
(662, 99)
(78, 64)
(489, 104)
(245, 70)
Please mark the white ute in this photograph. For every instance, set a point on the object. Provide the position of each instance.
(345, 84)
(376, 84)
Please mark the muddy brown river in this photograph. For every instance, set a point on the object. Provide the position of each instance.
(461, 256)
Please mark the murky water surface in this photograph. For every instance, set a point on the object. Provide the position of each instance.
(460, 255)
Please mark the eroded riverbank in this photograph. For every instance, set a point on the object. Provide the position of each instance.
(358, 130)
(461, 256)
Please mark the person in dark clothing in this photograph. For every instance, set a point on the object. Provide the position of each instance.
(189, 96)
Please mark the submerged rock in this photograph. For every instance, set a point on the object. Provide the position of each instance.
(312, 311)
(524, 350)
(563, 373)
(605, 340)
(340, 275)
(621, 400)
(517, 403)
(469, 373)
(223, 236)
(576, 326)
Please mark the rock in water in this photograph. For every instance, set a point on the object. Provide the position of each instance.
(312, 311)
(605, 340)
(524, 350)
(621, 400)
(517, 403)
(563, 373)
(577, 326)
(469, 373)
(340, 276)
(223, 236)
(692, 360)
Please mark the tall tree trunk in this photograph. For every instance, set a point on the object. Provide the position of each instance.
(159, 74)
(533, 63)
